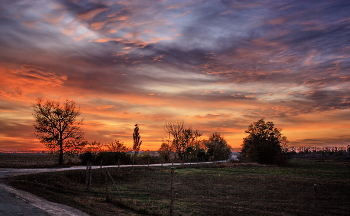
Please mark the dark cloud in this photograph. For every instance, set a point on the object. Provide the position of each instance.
(324, 141)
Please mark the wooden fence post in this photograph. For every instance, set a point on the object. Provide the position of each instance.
(171, 212)
(88, 175)
(106, 182)
(115, 185)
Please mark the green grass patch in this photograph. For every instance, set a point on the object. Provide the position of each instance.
(226, 189)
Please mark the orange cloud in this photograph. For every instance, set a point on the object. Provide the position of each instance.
(18, 83)
(97, 25)
(105, 107)
(88, 15)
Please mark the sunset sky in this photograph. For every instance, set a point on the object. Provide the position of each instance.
(216, 65)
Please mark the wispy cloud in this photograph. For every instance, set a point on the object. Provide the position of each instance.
(219, 65)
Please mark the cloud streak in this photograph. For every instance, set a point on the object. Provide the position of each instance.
(219, 65)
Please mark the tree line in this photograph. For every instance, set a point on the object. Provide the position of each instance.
(57, 126)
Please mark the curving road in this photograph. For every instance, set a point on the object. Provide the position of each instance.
(16, 202)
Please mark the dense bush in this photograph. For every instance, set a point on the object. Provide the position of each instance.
(148, 159)
(106, 158)
(218, 149)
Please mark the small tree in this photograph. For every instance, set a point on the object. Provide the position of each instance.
(90, 151)
(93, 146)
(284, 144)
(116, 146)
(165, 151)
(217, 147)
(58, 127)
(190, 143)
(137, 141)
(119, 148)
(263, 143)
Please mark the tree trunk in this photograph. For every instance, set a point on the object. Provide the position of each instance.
(88, 175)
(60, 159)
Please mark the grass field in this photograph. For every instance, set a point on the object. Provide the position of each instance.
(26, 160)
(32, 160)
(230, 189)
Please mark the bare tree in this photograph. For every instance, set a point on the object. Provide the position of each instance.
(175, 130)
(183, 140)
(190, 142)
(58, 127)
(116, 146)
(93, 146)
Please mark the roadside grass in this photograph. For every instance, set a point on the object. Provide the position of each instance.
(217, 189)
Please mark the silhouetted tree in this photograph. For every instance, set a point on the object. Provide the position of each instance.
(284, 144)
(116, 146)
(217, 147)
(190, 140)
(263, 144)
(58, 127)
(175, 130)
(165, 151)
(119, 148)
(93, 146)
(137, 141)
(183, 140)
(90, 151)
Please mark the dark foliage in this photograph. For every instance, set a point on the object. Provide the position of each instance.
(263, 144)
(106, 158)
(217, 147)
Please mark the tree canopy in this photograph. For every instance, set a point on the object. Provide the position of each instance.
(263, 143)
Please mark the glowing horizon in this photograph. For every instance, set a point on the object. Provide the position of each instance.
(218, 66)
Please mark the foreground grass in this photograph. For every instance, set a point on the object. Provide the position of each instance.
(231, 189)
